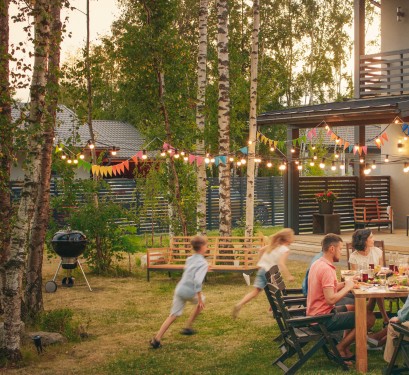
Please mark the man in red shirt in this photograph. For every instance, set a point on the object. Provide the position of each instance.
(324, 291)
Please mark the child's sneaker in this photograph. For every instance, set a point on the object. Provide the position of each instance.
(155, 344)
(187, 331)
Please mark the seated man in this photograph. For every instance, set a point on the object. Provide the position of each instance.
(403, 317)
(324, 292)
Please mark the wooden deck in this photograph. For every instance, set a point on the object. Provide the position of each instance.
(307, 245)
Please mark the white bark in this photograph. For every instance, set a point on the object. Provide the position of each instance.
(19, 236)
(200, 116)
(252, 122)
(223, 117)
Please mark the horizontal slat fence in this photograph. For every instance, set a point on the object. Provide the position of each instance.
(346, 188)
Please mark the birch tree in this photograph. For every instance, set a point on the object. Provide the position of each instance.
(14, 265)
(6, 142)
(200, 115)
(33, 299)
(252, 122)
(223, 117)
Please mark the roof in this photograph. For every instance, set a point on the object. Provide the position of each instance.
(351, 112)
(107, 133)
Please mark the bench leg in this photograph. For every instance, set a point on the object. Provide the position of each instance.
(147, 274)
(170, 276)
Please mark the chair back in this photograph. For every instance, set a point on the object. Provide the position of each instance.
(379, 244)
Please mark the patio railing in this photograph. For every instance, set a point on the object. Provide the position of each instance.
(384, 74)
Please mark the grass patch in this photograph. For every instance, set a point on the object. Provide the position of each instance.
(124, 313)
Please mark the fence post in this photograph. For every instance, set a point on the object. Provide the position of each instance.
(209, 205)
(272, 200)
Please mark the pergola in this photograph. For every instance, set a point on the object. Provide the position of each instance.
(358, 113)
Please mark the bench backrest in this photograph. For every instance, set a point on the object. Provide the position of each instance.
(367, 209)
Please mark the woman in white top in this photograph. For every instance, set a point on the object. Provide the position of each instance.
(275, 253)
(367, 254)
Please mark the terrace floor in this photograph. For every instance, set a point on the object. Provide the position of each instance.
(306, 246)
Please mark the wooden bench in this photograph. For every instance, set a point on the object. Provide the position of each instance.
(367, 211)
(224, 254)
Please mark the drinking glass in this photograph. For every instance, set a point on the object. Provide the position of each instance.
(382, 279)
(391, 261)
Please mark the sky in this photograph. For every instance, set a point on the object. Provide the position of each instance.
(102, 14)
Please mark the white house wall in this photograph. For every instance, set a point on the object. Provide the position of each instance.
(399, 179)
(394, 35)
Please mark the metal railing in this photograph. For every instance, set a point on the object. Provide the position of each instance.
(384, 74)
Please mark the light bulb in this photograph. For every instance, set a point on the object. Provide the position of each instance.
(212, 160)
(292, 150)
(75, 161)
(299, 167)
(69, 161)
(361, 160)
(272, 149)
(144, 156)
(387, 159)
(269, 165)
(243, 161)
(207, 160)
(342, 166)
(185, 158)
(82, 156)
(63, 156)
(373, 166)
(231, 159)
(312, 163)
(163, 153)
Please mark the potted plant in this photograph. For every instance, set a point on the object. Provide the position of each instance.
(326, 201)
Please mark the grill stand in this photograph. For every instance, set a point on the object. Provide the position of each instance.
(85, 277)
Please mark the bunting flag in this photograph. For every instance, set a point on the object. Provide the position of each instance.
(365, 149)
(223, 159)
(346, 145)
(192, 159)
(244, 150)
(126, 165)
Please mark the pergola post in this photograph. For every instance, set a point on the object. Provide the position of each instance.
(291, 185)
(359, 41)
(360, 136)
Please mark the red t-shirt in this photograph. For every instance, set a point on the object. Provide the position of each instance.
(322, 275)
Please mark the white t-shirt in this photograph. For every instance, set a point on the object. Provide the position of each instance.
(272, 258)
(374, 257)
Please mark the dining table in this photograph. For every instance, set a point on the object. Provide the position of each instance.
(361, 296)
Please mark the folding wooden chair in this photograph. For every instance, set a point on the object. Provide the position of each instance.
(402, 346)
(296, 333)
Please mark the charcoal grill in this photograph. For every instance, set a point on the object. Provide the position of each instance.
(69, 245)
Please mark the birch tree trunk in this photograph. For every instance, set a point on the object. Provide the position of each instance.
(224, 117)
(252, 123)
(200, 116)
(6, 144)
(33, 300)
(14, 265)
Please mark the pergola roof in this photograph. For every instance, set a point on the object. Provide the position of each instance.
(347, 113)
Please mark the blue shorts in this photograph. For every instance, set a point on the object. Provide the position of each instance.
(261, 281)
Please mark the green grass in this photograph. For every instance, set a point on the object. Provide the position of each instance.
(125, 313)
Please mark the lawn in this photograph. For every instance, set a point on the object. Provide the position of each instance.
(122, 314)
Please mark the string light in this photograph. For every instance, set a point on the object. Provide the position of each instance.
(90, 144)
(176, 156)
(299, 167)
(231, 159)
(212, 160)
(322, 164)
(207, 160)
(243, 161)
(297, 162)
(406, 168)
(185, 158)
(378, 141)
(257, 160)
(313, 148)
(292, 150)
(238, 163)
(163, 153)
(113, 151)
(336, 155)
(367, 170)
(75, 161)
(269, 164)
(272, 148)
(361, 160)
(183, 153)
(373, 166)
(282, 167)
(333, 166)
(387, 159)
(69, 161)
(312, 163)
(63, 156)
(342, 166)
(250, 142)
(144, 156)
(315, 157)
(82, 156)
(337, 140)
(170, 151)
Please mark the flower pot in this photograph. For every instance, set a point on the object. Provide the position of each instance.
(326, 207)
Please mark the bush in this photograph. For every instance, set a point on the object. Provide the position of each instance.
(61, 321)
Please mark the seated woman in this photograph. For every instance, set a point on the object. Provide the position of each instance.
(365, 254)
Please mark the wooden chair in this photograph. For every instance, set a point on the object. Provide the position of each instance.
(402, 346)
(379, 244)
(296, 333)
(367, 211)
(274, 276)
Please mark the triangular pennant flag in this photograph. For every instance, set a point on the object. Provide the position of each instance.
(126, 164)
(359, 150)
(385, 136)
(309, 135)
(341, 141)
(350, 148)
(140, 153)
(355, 150)
(270, 142)
(365, 149)
(135, 159)
(114, 169)
(329, 132)
(275, 144)
(192, 158)
(217, 161)
(121, 167)
(199, 160)
(258, 135)
(223, 159)
(166, 146)
(94, 169)
(346, 144)
(264, 139)
(333, 136)
(314, 132)
(244, 150)
(404, 127)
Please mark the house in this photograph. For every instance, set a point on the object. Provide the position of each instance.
(381, 98)
(110, 135)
